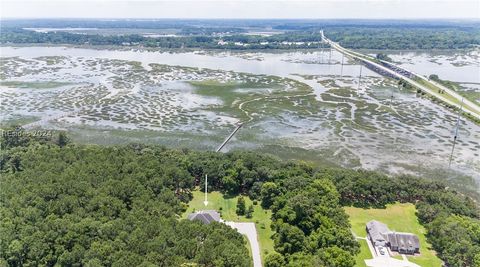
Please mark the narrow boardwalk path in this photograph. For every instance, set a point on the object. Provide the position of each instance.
(250, 118)
(229, 137)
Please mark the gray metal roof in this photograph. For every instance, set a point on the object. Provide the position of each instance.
(381, 235)
(205, 216)
(376, 230)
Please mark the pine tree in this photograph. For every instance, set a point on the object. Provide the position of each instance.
(241, 206)
(249, 213)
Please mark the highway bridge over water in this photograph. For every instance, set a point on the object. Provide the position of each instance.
(391, 70)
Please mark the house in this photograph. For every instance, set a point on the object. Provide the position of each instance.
(375, 230)
(404, 243)
(381, 236)
(205, 216)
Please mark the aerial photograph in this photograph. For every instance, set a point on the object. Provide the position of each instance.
(240, 133)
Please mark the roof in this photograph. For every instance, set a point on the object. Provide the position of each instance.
(205, 216)
(379, 233)
(405, 241)
(376, 230)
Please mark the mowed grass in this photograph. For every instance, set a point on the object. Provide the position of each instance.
(227, 207)
(398, 217)
(363, 255)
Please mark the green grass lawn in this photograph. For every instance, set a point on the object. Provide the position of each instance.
(227, 206)
(363, 255)
(398, 217)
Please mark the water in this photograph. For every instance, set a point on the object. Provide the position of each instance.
(296, 101)
(458, 66)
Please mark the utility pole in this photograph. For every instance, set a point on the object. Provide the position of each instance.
(206, 189)
(321, 52)
(341, 70)
(456, 134)
(330, 57)
(391, 96)
(360, 77)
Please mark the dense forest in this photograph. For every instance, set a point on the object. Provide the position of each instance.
(291, 40)
(87, 205)
(230, 34)
(405, 38)
(103, 206)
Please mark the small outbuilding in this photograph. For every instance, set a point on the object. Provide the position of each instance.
(205, 216)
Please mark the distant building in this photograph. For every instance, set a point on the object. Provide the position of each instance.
(205, 216)
(381, 236)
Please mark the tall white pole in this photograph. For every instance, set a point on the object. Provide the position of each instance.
(206, 189)
(330, 56)
(360, 77)
(456, 134)
(341, 70)
(321, 53)
(391, 97)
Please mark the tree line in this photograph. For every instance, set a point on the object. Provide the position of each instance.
(210, 37)
(204, 39)
(405, 37)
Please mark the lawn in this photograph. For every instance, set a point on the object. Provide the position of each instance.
(364, 254)
(398, 217)
(227, 206)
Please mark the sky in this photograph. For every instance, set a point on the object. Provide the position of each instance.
(255, 9)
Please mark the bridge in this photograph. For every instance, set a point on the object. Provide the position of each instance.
(391, 70)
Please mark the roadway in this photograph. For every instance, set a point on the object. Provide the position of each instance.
(248, 229)
(471, 107)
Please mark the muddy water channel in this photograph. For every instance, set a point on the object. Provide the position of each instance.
(305, 105)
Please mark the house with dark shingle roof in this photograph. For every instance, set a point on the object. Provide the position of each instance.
(405, 243)
(381, 236)
(205, 216)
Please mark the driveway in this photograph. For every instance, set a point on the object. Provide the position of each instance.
(385, 260)
(248, 229)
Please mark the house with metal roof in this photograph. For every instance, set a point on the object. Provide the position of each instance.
(375, 230)
(381, 236)
(205, 216)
